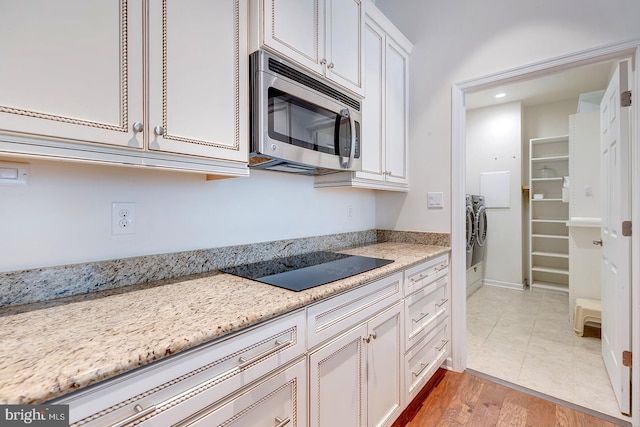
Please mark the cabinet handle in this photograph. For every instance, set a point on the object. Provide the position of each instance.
(444, 342)
(279, 346)
(158, 131)
(597, 242)
(442, 302)
(441, 267)
(413, 279)
(417, 374)
(137, 127)
(422, 316)
(140, 413)
(281, 422)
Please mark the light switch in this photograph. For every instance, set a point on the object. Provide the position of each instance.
(588, 191)
(8, 173)
(435, 200)
(14, 173)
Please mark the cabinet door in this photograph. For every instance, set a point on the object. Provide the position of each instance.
(71, 69)
(384, 374)
(396, 113)
(198, 78)
(277, 401)
(294, 28)
(343, 45)
(338, 390)
(372, 106)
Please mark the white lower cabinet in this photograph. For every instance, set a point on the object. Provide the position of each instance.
(280, 400)
(356, 359)
(168, 391)
(355, 380)
(422, 361)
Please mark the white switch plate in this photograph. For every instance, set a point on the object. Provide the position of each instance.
(14, 173)
(435, 200)
(123, 218)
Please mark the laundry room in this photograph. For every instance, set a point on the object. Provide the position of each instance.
(534, 211)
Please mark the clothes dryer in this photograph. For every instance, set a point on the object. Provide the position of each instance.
(471, 229)
(480, 229)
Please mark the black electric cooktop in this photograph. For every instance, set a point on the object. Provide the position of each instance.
(300, 272)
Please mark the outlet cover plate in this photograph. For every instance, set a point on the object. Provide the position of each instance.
(123, 218)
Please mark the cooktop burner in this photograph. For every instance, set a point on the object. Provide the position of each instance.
(300, 272)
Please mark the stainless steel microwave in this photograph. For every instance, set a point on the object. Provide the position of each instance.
(300, 124)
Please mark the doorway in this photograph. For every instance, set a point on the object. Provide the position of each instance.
(615, 52)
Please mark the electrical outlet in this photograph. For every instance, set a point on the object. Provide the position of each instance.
(123, 218)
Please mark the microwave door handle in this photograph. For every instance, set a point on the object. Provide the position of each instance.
(344, 113)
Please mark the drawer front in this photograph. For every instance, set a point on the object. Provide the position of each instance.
(214, 370)
(425, 308)
(426, 357)
(277, 401)
(335, 315)
(422, 275)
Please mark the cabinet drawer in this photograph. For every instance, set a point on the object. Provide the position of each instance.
(277, 401)
(423, 309)
(203, 375)
(422, 275)
(423, 360)
(330, 317)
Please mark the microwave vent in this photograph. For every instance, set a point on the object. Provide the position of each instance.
(302, 78)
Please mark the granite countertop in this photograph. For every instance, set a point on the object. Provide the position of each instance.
(53, 348)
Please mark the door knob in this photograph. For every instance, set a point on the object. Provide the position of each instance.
(597, 242)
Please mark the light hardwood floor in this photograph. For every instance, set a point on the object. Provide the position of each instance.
(463, 399)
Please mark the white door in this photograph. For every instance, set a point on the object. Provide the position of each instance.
(384, 367)
(616, 248)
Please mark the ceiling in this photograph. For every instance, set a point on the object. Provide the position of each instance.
(567, 84)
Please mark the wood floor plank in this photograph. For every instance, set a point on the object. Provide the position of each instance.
(541, 413)
(463, 399)
(460, 409)
(437, 402)
(487, 412)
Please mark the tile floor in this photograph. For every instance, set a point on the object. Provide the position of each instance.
(526, 338)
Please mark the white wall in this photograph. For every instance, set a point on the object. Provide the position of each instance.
(456, 41)
(494, 136)
(64, 215)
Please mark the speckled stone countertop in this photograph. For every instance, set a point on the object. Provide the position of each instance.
(52, 348)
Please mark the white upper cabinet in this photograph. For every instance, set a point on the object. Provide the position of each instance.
(324, 36)
(198, 80)
(385, 110)
(139, 82)
(71, 69)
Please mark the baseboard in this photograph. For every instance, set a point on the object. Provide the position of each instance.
(499, 284)
(473, 287)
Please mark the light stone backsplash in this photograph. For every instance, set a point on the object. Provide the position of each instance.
(42, 284)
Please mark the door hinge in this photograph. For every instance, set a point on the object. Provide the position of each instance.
(625, 99)
(626, 228)
(626, 359)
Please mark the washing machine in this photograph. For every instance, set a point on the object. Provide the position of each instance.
(480, 213)
(471, 229)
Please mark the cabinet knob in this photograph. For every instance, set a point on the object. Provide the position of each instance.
(323, 61)
(330, 66)
(158, 131)
(137, 127)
